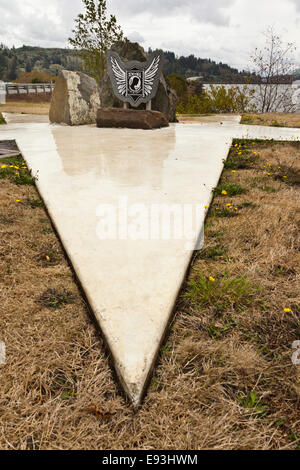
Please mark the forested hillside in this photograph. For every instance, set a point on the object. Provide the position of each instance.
(211, 72)
(16, 61)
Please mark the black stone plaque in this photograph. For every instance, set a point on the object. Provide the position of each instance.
(134, 82)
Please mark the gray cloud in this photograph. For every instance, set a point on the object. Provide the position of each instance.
(204, 11)
(223, 30)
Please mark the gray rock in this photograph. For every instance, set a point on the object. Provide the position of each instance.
(75, 99)
(131, 118)
(166, 98)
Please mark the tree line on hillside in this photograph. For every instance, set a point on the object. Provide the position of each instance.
(27, 59)
(49, 62)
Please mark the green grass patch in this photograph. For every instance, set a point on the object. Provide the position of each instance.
(278, 124)
(35, 203)
(288, 175)
(223, 212)
(15, 170)
(213, 252)
(229, 189)
(56, 298)
(218, 332)
(246, 205)
(220, 294)
(253, 403)
(269, 189)
(241, 155)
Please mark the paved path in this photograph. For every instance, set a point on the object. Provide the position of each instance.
(92, 179)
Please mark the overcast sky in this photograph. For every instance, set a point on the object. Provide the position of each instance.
(223, 30)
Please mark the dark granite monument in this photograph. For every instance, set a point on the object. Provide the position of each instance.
(133, 83)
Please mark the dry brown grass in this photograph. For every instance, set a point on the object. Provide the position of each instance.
(23, 107)
(272, 119)
(225, 379)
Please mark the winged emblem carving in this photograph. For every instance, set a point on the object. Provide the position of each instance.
(134, 82)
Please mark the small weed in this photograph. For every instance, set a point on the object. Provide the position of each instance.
(56, 298)
(66, 395)
(219, 294)
(223, 212)
(2, 120)
(217, 332)
(246, 205)
(63, 384)
(4, 219)
(277, 124)
(166, 349)
(156, 384)
(288, 175)
(252, 402)
(268, 189)
(229, 189)
(47, 230)
(35, 203)
(213, 252)
(295, 438)
(49, 257)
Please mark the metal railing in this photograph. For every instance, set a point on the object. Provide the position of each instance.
(27, 88)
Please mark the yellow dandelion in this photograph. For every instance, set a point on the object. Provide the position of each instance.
(212, 279)
(285, 177)
(47, 258)
(224, 192)
(233, 171)
(18, 200)
(3, 166)
(287, 310)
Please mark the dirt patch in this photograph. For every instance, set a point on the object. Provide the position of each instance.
(224, 379)
(272, 119)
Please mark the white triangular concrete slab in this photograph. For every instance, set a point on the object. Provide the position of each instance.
(131, 285)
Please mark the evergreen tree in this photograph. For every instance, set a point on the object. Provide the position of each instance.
(12, 74)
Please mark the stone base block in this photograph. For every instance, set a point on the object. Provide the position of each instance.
(130, 118)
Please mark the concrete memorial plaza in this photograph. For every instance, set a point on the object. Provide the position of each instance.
(102, 189)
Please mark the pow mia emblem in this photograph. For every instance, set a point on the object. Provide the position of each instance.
(134, 82)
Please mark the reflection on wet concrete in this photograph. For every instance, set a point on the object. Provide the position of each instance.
(129, 158)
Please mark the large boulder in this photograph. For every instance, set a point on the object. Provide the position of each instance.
(131, 118)
(165, 100)
(75, 99)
